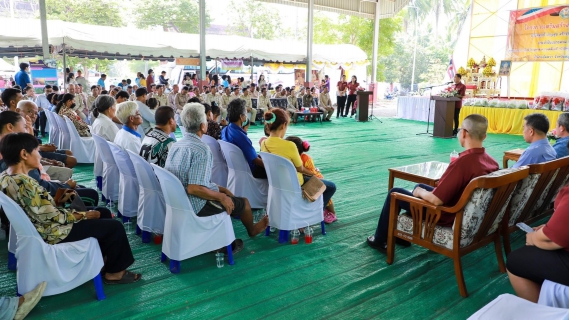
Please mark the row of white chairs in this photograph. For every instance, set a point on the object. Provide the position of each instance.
(64, 135)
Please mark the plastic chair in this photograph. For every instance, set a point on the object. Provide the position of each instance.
(64, 136)
(185, 234)
(12, 240)
(219, 170)
(111, 176)
(240, 180)
(553, 294)
(63, 266)
(287, 209)
(507, 306)
(83, 148)
(53, 128)
(128, 184)
(151, 205)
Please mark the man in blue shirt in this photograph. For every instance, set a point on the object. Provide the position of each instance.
(561, 146)
(101, 81)
(234, 133)
(22, 77)
(536, 126)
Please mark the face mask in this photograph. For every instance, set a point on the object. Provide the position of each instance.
(72, 106)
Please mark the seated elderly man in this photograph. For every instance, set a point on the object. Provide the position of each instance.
(128, 137)
(235, 134)
(561, 146)
(472, 163)
(191, 161)
(536, 126)
(57, 162)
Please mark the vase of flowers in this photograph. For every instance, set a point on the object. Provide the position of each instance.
(449, 92)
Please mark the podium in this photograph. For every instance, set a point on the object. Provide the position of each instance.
(363, 105)
(444, 116)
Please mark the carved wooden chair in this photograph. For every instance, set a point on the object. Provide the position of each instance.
(478, 215)
(533, 195)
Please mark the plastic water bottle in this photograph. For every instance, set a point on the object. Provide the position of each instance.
(220, 259)
(453, 155)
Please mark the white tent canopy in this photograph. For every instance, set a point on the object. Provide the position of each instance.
(22, 37)
(5, 66)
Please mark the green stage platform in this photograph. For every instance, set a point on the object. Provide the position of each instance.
(336, 277)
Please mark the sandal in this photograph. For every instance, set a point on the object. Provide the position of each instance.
(128, 277)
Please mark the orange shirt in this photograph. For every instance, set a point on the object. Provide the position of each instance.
(308, 163)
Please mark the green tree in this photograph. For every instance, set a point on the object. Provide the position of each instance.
(181, 16)
(254, 19)
(359, 32)
(103, 12)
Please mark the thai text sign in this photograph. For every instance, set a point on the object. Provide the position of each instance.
(539, 34)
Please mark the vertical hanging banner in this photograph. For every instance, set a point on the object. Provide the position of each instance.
(539, 34)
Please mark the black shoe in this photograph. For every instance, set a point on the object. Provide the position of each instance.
(337, 117)
(403, 243)
(343, 116)
(379, 247)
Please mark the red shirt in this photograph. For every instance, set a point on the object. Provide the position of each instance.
(149, 82)
(352, 88)
(556, 227)
(470, 164)
(461, 88)
(342, 85)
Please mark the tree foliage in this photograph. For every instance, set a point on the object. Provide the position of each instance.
(253, 19)
(359, 32)
(103, 12)
(180, 15)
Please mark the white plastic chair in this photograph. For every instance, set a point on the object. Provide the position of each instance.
(240, 180)
(507, 306)
(64, 136)
(63, 266)
(553, 294)
(111, 176)
(83, 148)
(12, 239)
(287, 209)
(128, 184)
(185, 234)
(151, 205)
(53, 128)
(219, 169)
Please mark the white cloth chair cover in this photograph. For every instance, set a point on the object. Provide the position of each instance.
(111, 176)
(128, 184)
(510, 307)
(64, 136)
(240, 180)
(83, 148)
(151, 205)
(63, 266)
(553, 294)
(219, 170)
(53, 128)
(185, 234)
(286, 208)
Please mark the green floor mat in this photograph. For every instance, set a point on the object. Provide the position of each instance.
(337, 277)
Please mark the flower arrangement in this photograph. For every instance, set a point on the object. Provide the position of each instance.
(461, 71)
(557, 103)
(449, 92)
(491, 62)
(493, 103)
(487, 71)
(552, 135)
(471, 63)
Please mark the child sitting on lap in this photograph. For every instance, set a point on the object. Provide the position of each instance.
(308, 163)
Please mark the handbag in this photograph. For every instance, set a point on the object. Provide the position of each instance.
(311, 189)
(64, 196)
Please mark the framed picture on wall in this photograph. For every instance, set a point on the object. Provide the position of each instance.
(505, 67)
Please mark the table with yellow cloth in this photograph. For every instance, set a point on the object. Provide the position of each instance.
(510, 121)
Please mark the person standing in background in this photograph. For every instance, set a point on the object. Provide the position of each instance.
(461, 89)
(352, 95)
(341, 96)
(80, 79)
(22, 77)
(101, 81)
(149, 80)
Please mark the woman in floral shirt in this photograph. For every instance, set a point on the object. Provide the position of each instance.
(65, 108)
(59, 225)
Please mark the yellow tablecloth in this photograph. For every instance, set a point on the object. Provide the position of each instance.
(510, 121)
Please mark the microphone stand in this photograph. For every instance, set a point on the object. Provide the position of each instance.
(429, 113)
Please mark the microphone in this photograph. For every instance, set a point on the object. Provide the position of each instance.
(450, 82)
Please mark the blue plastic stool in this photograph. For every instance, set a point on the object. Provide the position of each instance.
(323, 226)
(99, 183)
(99, 287)
(12, 261)
(146, 236)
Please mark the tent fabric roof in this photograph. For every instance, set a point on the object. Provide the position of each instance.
(22, 37)
(360, 8)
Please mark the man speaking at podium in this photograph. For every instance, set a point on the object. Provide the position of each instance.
(461, 89)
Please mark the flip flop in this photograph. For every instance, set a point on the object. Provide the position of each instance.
(236, 246)
(128, 277)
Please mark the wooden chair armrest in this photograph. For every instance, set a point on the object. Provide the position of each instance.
(430, 216)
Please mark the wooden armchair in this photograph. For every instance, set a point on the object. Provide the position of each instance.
(533, 196)
(478, 215)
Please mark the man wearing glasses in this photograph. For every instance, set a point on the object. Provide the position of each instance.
(472, 163)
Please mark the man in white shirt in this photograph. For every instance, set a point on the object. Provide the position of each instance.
(128, 137)
(131, 90)
(325, 104)
(254, 91)
(144, 111)
(225, 98)
(160, 96)
(43, 105)
(249, 105)
(236, 94)
(172, 97)
(79, 103)
(292, 104)
(213, 96)
(91, 98)
(264, 101)
(82, 81)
